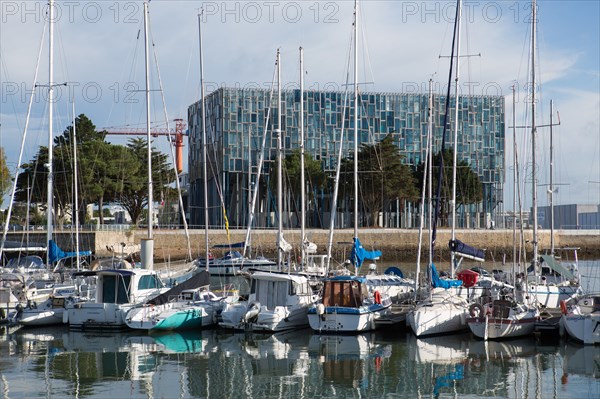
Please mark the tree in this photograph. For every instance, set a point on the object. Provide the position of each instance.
(381, 175)
(134, 194)
(313, 172)
(5, 178)
(469, 189)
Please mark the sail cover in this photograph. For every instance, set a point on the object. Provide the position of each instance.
(359, 254)
(466, 251)
(55, 253)
(437, 282)
(198, 280)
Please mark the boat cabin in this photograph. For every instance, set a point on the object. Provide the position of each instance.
(347, 293)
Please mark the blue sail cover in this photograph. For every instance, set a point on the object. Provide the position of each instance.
(359, 254)
(437, 282)
(55, 253)
(466, 250)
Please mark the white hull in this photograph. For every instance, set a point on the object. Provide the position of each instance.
(363, 319)
(39, 318)
(583, 327)
(444, 314)
(92, 315)
(499, 328)
(549, 296)
(281, 318)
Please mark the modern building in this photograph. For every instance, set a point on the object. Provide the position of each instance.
(236, 120)
(569, 217)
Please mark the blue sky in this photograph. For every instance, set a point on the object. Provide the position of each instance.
(99, 52)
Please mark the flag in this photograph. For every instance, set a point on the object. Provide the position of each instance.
(226, 222)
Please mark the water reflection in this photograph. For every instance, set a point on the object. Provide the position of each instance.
(210, 363)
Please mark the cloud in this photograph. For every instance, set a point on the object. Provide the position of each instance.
(99, 46)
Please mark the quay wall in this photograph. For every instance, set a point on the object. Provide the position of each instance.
(396, 244)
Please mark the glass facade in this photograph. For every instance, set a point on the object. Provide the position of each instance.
(236, 120)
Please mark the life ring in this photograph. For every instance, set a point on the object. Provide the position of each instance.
(377, 297)
(563, 307)
(476, 310)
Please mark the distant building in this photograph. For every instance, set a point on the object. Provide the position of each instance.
(570, 217)
(235, 125)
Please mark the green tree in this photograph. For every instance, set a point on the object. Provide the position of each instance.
(381, 176)
(5, 178)
(314, 175)
(134, 194)
(469, 189)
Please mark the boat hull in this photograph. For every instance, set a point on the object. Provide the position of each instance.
(583, 327)
(436, 319)
(500, 328)
(347, 320)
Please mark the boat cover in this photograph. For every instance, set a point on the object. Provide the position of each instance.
(557, 267)
(437, 282)
(55, 253)
(197, 280)
(466, 251)
(359, 254)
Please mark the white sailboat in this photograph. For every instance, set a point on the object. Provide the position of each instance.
(445, 309)
(540, 291)
(351, 303)
(278, 301)
(121, 289)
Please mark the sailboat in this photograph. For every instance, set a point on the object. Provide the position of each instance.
(540, 291)
(508, 316)
(121, 289)
(352, 303)
(446, 308)
(278, 301)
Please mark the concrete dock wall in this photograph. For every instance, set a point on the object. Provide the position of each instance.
(396, 244)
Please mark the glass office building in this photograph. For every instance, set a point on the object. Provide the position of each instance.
(235, 125)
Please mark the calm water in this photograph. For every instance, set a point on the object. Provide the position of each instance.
(57, 363)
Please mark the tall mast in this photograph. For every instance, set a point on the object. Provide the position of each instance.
(279, 166)
(514, 122)
(533, 133)
(355, 119)
(148, 135)
(204, 143)
(456, 122)
(76, 188)
(551, 188)
(49, 226)
(148, 243)
(302, 177)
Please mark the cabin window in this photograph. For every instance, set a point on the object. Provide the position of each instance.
(271, 293)
(344, 294)
(115, 289)
(149, 282)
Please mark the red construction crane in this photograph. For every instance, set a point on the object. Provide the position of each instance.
(177, 134)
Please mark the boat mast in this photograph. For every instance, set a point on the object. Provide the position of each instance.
(426, 182)
(204, 144)
(455, 140)
(533, 134)
(148, 244)
(50, 179)
(302, 177)
(551, 188)
(355, 120)
(514, 122)
(279, 167)
(76, 188)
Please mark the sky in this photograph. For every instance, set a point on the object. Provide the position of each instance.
(99, 52)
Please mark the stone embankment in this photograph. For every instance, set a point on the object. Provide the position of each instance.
(396, 244)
